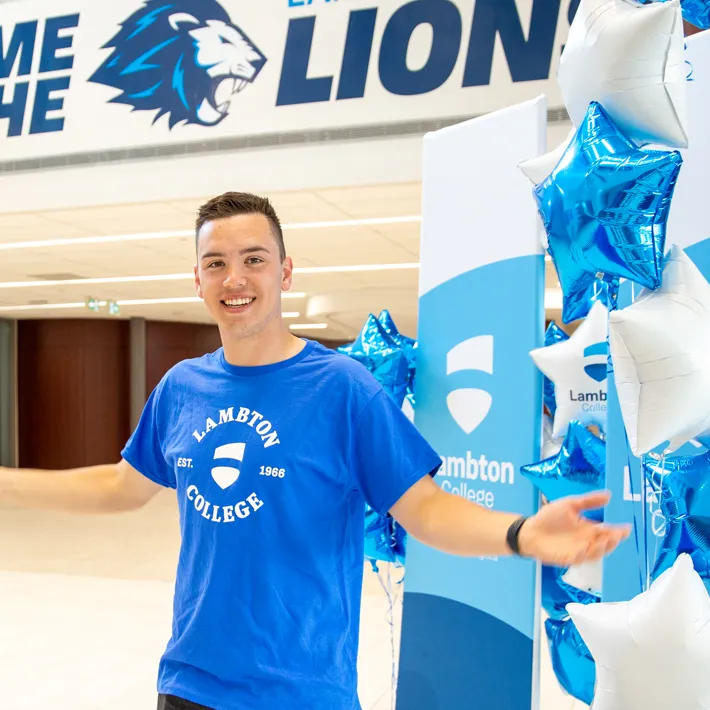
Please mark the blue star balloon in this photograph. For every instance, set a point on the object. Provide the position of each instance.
(385, 539)
(409, 347)
(578, 468)
(696, 12)
(553, 334)
(571, 660)
(580, 303)
(382, 356)
(605, 208)
(683, 485)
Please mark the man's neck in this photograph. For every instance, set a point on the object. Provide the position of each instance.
(263, 348)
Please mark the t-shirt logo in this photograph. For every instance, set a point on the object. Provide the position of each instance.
(225, 476)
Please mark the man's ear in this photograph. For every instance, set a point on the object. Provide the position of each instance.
(287, 274)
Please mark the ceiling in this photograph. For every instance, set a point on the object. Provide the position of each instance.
(340, 300)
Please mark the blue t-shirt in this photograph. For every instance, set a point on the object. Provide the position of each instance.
(272, 466)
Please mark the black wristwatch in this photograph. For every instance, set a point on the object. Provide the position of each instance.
(513, 533)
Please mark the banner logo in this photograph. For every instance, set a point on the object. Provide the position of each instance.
(185, 59)
(595, 357)
(468, 406)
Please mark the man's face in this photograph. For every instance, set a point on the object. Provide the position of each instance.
(239, 273)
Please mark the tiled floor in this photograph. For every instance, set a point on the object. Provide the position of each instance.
(85, 613)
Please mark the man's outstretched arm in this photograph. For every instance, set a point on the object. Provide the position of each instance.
(558, 534)
(111, 488)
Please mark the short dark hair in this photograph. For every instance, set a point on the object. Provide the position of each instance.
(234, 203)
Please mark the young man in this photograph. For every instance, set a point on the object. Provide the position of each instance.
(274, 444)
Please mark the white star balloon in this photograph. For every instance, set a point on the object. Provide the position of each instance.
(629, 58)
(538, 168)
(660, 351)
(577, 368)
(653, 652)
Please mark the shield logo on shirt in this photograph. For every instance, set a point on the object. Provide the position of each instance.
(225, 476)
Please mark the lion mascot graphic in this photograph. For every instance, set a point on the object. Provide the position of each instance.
(183, 58)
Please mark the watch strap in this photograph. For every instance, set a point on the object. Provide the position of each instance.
(513, 533)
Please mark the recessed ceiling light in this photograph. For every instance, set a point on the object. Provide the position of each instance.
(90, 281)
(354, 267)
(128, 302)
(47, 306)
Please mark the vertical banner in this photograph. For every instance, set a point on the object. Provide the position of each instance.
(626, 570)
(470, 625)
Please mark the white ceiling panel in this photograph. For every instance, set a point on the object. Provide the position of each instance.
(22, 219)
(188, 207)
(123, 213)
(47, 229)
(348, 195)
(363, 209)
(347, 246)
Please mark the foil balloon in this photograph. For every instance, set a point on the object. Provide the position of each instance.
(659, 350)
(696, 12)
(385, 539)
(577, 469)
(683, 485)
(571, 660)
(577, 368)
(553, 334)
(556, 594)
(538, 168)
(652, 652)
(549, 445)
(586, 576)
(605, 208)
(382, 356)
(409, 347)
(578, 305)
(628, 57)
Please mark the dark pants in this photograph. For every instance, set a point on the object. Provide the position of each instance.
(170, 702)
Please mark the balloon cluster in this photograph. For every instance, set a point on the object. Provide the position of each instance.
(604, 198)
(391, 357)
(578, 467)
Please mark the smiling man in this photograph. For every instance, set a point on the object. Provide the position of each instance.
(274, 444)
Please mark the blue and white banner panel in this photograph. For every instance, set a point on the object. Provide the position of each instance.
(626, 571)
(470, 624)
(81, 76)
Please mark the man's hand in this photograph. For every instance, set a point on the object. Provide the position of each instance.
(561, 536)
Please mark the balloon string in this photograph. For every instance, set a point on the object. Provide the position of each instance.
(689, 77)
(635, 525)
(644, 518)
(641, 495)
(387, 587)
